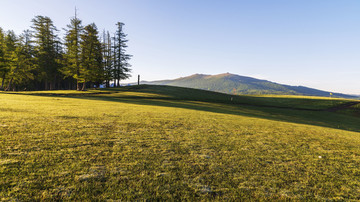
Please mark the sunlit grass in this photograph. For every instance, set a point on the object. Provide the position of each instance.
(137, 145)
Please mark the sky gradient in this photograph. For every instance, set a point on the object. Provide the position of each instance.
(299, 42)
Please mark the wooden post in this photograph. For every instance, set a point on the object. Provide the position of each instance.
(139, 79)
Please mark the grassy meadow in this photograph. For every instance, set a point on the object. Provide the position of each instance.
(169, 143)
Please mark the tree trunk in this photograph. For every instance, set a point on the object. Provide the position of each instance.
(53, 83)
(9, 86)
(11, 80)
(77, 74)
(45, 85)
(3, 81)
(84, 86)
(77, 85)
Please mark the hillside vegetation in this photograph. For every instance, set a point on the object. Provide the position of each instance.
(236, 84)
(171, 143)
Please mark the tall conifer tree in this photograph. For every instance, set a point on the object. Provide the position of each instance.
(10, 56)
(121, 64)
(72, 55)
(91, 66)
(3, 68)
(46, 53)
(22, 74)
(37, 60)
(108, 58)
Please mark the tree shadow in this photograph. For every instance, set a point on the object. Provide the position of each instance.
(292, 110)
(292, 115)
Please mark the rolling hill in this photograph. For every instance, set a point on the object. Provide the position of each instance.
(236, 84)
(165, 143)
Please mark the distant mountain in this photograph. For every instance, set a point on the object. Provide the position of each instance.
(236, 84)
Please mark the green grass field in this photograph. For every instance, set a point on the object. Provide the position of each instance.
(169, 143)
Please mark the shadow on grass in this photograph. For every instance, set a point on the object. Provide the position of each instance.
(291, 115)
(295, 111)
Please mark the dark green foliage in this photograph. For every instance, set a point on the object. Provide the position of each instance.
(2, 59)
(10, 59)
(90, 56)
(72, 54)
(23, 74)
(46, 42)
(38, 60)
(16, 61)
(108, 59)
(121, 65)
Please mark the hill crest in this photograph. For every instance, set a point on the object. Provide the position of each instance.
(237, 84)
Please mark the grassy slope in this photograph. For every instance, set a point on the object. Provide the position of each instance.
(156, 142)
(230, 83)
(236, 84)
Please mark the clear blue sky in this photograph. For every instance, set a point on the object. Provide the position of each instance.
(296, 42)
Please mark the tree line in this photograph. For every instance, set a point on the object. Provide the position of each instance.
(38, 59)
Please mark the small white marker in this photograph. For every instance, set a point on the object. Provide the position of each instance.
(320, 157)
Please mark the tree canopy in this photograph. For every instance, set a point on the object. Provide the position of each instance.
(38, 59)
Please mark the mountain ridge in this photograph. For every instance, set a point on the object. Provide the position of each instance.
(237, 84)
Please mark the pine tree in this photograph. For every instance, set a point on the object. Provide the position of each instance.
(108, 58)
(72, 46)
(37, 60)
(121, 64)
(3, 69)
(22, 74)
(10, 59)
(46, 53)
(91, 66)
